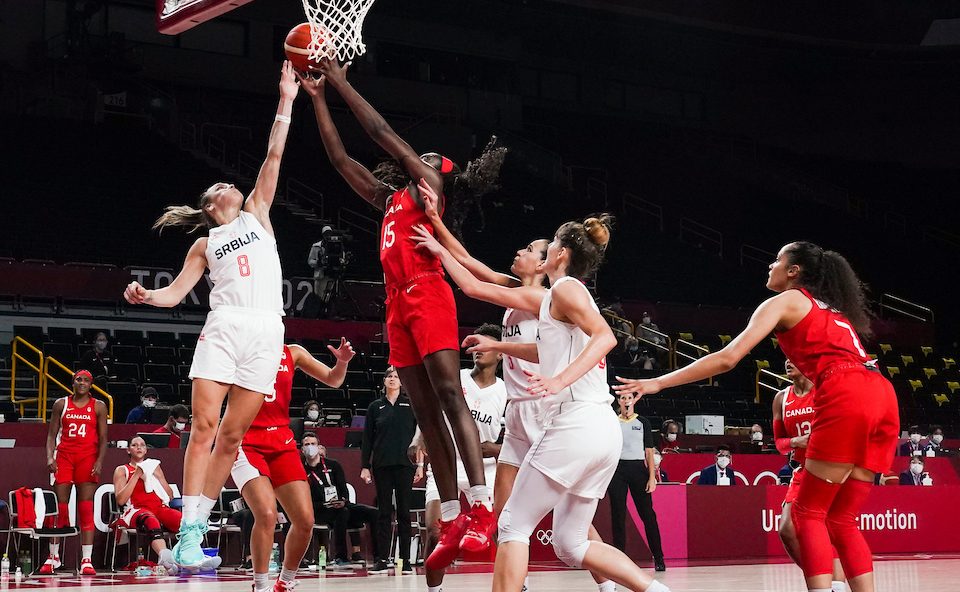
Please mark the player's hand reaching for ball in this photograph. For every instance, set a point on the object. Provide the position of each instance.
(425, 240)
(136, 294)
(332, 70)
(312, 86)
(479, 344)
(289, 85)
(430, 200)
(639, 387)
(344, 353)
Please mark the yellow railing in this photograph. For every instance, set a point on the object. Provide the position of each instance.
(47, 378)
(640, 333)
(18, 345)
(770, 386)
(695, 353)
(617, 323)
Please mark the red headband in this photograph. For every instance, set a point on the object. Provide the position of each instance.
(82, 373)
(446, 165)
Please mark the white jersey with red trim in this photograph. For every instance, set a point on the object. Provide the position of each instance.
(518, 327)
(244, 266)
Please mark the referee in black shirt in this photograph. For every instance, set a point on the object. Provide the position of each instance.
(632, 474)
(389, 428)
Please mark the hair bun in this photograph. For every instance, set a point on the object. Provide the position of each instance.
(598, 229)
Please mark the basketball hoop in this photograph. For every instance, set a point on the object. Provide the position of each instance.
(335, 27)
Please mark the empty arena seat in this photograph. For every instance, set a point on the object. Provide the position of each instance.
(127, 372)
(892, 371)
(64, 335)
(160, 354)
(300, 394)
(184, 371)
(953, 386)
(886, 348)
(762, 364)
(907, 360)
(361, 398)
(380, 348)
(929, 373)
(129, 337)
(724, 339)
(162, 339)
(160, 373)
(127, 354)
(185, 354)
(185, 393)
(34, 335)
(926, 350)
(915, 385)
(358, 379)
(63, 352)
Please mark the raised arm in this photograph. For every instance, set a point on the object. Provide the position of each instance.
(483, 343)
(526, 298)
(173, 294)
(479, 269)
(377, 127)
(573, 302)
(265, 190)
(332, 377)
(355, 174)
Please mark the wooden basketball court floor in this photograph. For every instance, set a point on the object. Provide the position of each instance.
(900, 574)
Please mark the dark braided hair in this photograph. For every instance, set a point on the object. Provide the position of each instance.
(829, 277)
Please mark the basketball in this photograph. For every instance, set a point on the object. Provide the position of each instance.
(296, 47)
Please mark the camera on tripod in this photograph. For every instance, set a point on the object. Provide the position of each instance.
(329, 256)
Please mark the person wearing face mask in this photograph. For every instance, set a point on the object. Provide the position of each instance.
(658, 473)
(634, 474)
(176, 424)
(143, 413)
(934, 446)
(912, 446)
(719, 473)
(669, 433)
(311, 414)
(756, 436)
(915, 475)
(98, 361)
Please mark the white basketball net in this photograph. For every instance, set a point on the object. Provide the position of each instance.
(335, 27)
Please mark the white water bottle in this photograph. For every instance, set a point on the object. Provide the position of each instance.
(5, 566)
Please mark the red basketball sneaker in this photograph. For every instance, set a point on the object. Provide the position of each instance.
(448, 547)
(478, 535)
(86, 567)
(50, 565)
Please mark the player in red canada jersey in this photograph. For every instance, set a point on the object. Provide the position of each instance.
(268, 467)
(143, 492)
(421, 314)
(76, 443)
(818, 315)
(792, 418)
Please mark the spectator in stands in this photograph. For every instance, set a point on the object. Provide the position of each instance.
(648, 330)
(659, 474)
(98, 361)
(915, 475)
(719, 473)
(311, 414)
(912, 446)
(143, 413)
(331, 501)
(144, 494)
(388, 431)
(669, 434)
(756, 437)
(177, 423)
(936, 440)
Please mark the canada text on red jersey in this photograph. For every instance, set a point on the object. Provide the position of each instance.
(275, 410)
(400, 258)
(797, 418)
(820, 340)
(78, 427)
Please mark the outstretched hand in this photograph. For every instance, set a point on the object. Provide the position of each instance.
(430, 200)
(638, 387)
(332, 70)
(310, 85)
(289, 85)
(479, 344)
(344, 353)
(425, 240)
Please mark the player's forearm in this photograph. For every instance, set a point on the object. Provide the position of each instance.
(280, 129)
(369, 118)
(702, 369)
(337, 374)
(328, 131)
(523, 351)
(164, 297)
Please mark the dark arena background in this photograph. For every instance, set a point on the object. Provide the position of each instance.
(715, 133)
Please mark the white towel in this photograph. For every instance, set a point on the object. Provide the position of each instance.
(39, 506)
(150, 483)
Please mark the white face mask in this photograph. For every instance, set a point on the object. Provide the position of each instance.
(311, 450)
(149, 403)
(756, 436)
(313, 415)
(657, 459)
(937, 438)
(723, 462)
(179, 426)
(916, 468)
(915, 438)
(671, 437)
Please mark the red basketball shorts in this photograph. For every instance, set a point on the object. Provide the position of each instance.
(794, 487)
(421, 320)
(270, 453)
(75, 467)
(168, 517)
(855, 420)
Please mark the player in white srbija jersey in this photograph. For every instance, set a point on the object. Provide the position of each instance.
(239, 348)
(568, 469)
(486, 398)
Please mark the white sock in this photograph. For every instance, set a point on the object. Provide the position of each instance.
(204, 507)
(261, 580)
(434, 589)
(656, 586)
(55, 549)
(288, 575)
(608, 586)
(190, 503)
(86, 551)
(449, 510)
(837, 586)
(526, 584)
(482, 494)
